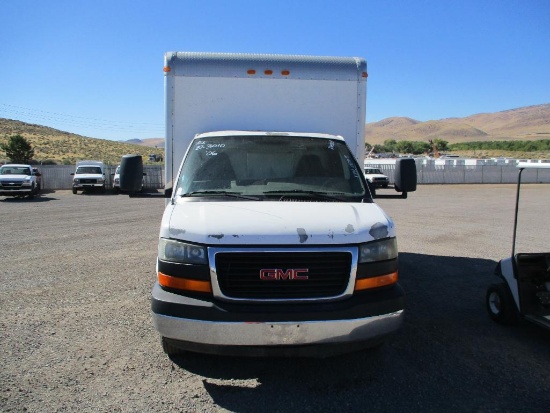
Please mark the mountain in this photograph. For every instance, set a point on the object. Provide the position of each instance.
(526, 123)
(152, 142)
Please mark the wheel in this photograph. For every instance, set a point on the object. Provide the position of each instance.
(170, 349)
(74, 190)
(32, 193)
(500, 304)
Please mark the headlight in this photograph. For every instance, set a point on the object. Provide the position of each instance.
(385, 249)
(100, 180)
(176, 251)
(26, 183)
(76, 181)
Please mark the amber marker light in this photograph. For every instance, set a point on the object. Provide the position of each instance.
(166, 69)
(375, 282)
(365, 75)
(285, 72)
(251, 72)
(184, 283)
(268, 72)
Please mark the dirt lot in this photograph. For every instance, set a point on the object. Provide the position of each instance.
(76, 334)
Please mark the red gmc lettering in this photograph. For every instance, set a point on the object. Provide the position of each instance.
(278, 274)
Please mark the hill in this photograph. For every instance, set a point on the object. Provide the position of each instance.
(152, 142)
(527, 123)
(66, 148)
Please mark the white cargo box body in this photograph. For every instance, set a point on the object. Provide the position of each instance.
(208, 92)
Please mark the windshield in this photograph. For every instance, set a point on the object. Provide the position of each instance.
(373, 171)
(88, 170)
(270, 166)
(15, 170)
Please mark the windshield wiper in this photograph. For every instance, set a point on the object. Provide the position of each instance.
(222, 193)
(317, 194)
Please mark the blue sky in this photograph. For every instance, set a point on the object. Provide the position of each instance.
(94, 67)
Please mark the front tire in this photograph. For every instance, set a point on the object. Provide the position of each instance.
(32, 193)
(74, 190)
(170, 349)
(500, 304)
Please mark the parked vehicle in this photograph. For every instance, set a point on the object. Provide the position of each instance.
(376, 177)
(270, 240)
(155, 158)
(89, 176)
(524, 290)
(19, 180)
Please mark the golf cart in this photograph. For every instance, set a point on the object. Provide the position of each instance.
(524, 292)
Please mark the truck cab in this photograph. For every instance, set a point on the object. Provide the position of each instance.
(19, 180)
(89, 176)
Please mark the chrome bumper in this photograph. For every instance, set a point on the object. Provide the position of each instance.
(279, 333)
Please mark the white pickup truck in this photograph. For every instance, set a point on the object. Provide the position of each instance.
(19, 180)
(376, 177)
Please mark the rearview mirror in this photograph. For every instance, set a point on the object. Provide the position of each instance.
(405, 175)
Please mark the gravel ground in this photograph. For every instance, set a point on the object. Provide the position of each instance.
(76, 333)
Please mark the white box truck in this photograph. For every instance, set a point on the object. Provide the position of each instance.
(89, 176)
(270, 242)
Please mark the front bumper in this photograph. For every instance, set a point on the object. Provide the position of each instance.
(380, 184)
(306, 329)
(16, 191)
(85, 186)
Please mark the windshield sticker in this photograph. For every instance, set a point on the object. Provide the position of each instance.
(331, 145)
(209, 148)
(352, 167)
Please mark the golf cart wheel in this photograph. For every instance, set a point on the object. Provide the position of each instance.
(500, 304)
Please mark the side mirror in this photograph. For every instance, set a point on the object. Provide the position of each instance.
(131, 173)
(405, 175)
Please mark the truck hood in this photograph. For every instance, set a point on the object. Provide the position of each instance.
(89, 176)
(15, 177)
(275, 223)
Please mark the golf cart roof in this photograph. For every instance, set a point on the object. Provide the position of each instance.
(533, 165)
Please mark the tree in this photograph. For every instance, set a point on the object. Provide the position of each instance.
(18, 149)
(441, 145)
(390, 145)
(404, 147)
(421, 147)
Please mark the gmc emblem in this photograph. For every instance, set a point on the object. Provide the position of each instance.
(273, 274)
